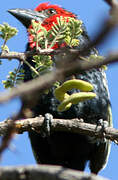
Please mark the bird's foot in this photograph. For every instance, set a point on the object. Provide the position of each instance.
(104, 125)
(46, 128)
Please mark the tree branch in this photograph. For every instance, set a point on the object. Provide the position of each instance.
(23, 56)
(73, 125)
(44, 82)
(44, 172)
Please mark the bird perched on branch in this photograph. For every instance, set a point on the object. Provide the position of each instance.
(65, 148)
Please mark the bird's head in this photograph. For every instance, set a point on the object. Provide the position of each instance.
(45, 13)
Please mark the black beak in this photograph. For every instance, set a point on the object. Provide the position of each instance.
(26, 15)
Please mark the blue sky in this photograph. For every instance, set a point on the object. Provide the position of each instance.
(92, 13)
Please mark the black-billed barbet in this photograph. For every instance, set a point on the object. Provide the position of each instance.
(65, 148)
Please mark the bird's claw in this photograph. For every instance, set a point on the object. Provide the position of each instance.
(47, 125)
(104, 125)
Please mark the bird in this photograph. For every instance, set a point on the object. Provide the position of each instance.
(70, 150)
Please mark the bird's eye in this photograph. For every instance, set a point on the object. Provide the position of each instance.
(51, 11)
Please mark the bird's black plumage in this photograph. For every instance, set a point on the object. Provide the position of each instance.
(68, 149)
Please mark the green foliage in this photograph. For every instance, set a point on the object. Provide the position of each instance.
(58, 32)
(39, 34)
(43, 64)
(65, 30)
(14, 78)
(74, 30)
(7, 32)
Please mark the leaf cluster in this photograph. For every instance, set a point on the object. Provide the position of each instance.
(7, 32)
(43, 64)
(66, 30)
(74, 30)
(14, 77)
(39, 34)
